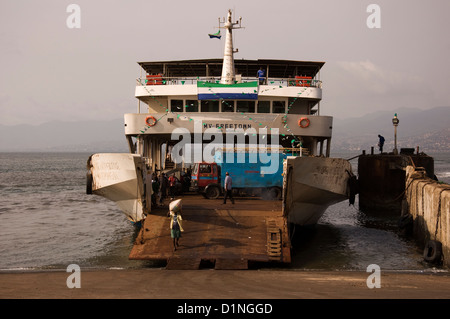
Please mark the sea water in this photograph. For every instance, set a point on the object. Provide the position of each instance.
(47, 221)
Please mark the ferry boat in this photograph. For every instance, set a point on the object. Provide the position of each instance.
(188, 108)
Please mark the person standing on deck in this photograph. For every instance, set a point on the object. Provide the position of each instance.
(172, 183)
(155, 190)
(261, 74)
(228, 188)
(163, 182)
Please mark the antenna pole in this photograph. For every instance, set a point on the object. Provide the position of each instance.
(228, 72)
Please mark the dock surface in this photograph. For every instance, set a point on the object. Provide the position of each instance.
(222, 236)
(232, 285)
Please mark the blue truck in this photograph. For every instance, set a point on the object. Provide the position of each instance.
(253, 174)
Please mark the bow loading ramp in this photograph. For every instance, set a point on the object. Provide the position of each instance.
(228, 236)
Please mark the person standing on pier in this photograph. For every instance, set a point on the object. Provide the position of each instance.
(381, 142)
(175, 222)
(228, 189)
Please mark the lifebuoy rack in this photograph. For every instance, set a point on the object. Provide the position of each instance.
(154, 79)
(303, 81)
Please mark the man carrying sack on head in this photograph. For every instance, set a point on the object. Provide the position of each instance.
(175, 222)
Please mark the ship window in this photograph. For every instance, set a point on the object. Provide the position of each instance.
(227, 106)
(246, 106)
(210, 106)
(191, 106)
(278, 107)
(263, 106)
(176, 105)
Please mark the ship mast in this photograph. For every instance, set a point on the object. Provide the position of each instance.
(228, 73)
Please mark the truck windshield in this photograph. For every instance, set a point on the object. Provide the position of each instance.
(205, 168)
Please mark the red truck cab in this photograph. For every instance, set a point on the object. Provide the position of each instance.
(204, 175)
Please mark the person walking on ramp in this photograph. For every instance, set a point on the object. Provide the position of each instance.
(175, 222)
(228, 188)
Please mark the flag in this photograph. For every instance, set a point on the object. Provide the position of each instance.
(215, 35)
(215, 91)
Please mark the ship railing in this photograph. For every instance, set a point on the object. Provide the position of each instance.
(294, 151)
(279, 82)
(285, 82)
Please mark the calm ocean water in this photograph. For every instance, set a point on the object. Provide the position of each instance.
(48, 222)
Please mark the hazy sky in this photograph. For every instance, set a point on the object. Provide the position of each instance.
(51, 72)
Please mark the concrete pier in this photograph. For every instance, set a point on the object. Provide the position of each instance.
(428, 201)
(381, 178)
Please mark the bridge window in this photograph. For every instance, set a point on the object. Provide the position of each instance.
(246, 106)
(191, 106)
(263, 106)
(176, 105)
(278, 107)
(227, 106)
(210, 106)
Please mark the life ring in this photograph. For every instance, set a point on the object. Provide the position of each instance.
(152, 122)
(303, 122)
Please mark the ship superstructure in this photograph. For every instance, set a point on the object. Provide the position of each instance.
(189, 108)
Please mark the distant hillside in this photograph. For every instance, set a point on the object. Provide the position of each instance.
(427, 129)
(88, 136)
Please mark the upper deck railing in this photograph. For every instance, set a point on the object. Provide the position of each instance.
(294, 151)
(280, 82)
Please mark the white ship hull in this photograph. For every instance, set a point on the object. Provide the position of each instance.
(312, 184)
(118, 177)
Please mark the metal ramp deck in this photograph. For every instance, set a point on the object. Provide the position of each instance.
(223, 236)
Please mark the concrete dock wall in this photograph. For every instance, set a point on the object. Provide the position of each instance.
(381, 179)
(428, 201)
